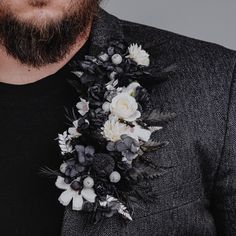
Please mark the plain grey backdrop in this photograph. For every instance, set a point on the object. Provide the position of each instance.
(209, 20)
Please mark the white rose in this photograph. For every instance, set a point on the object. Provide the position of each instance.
(125, 107)
(140, 56)
(113, 129)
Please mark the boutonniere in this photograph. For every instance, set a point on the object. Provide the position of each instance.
(105, 151)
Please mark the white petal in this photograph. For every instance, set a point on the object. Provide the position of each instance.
(88, 194)
(72, 130)
(154, 128)
(66, 197)
(60, 183)
(75, 123)
(77, 202)
(134, 117)
(143, 134)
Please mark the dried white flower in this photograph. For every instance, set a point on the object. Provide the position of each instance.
(73, 133)
(140, 56)
(113, 129)
(82, 106)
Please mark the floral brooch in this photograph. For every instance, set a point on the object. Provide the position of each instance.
(105, 151)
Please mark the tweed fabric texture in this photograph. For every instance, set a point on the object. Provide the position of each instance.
(197, 196)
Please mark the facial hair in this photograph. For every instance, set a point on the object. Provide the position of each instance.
(37, 46)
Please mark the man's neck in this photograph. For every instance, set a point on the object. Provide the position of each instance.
(12, 72)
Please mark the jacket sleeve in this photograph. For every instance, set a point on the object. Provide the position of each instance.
(224, 194)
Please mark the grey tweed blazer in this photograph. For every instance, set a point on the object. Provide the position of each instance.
(197, 197)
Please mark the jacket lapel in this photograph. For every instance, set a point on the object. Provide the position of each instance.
(105, 27)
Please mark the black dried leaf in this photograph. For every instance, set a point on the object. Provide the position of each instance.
(157, 118)
(152, 145)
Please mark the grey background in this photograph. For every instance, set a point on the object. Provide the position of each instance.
(209, 20)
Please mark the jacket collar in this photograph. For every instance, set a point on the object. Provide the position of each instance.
(105, 27)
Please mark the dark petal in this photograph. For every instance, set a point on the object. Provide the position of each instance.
(134, 148)
(81, 168)
(73, 173)
(110, 213)
(128, 141)
(89, 150)
(81, 157)
(85, 64)
(71, 162)
(121, 146)
(67, 180)
(88, 206)
(87, 78)
(111, 51)
(123, 136)
(119, 70)
(103, 164)
(111, 146)
(67, 172)
(75, 185)
(90, 58)
(79, 148)
(128, 155)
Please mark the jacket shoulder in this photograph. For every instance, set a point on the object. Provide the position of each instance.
(153, 38)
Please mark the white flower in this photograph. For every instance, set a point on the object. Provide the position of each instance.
(113, 129)
(83, 106)
(70, 194)
(73, 133)
(140, 56)
(125, 107)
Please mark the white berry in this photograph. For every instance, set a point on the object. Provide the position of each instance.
(115, 177)
(88, 182)
(116, 59)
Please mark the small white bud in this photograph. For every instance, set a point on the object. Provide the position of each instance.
(115, 177)
(88, 182)
(116, 59)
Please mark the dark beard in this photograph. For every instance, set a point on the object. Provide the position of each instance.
(40, 46)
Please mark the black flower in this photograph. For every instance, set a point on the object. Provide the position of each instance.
(97, 118)
(96, 95)
(103, 164)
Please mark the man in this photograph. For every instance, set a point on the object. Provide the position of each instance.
(39, 39)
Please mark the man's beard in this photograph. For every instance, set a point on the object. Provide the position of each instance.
(38, 46)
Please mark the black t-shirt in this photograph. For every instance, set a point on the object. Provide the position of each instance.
(31, 116)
